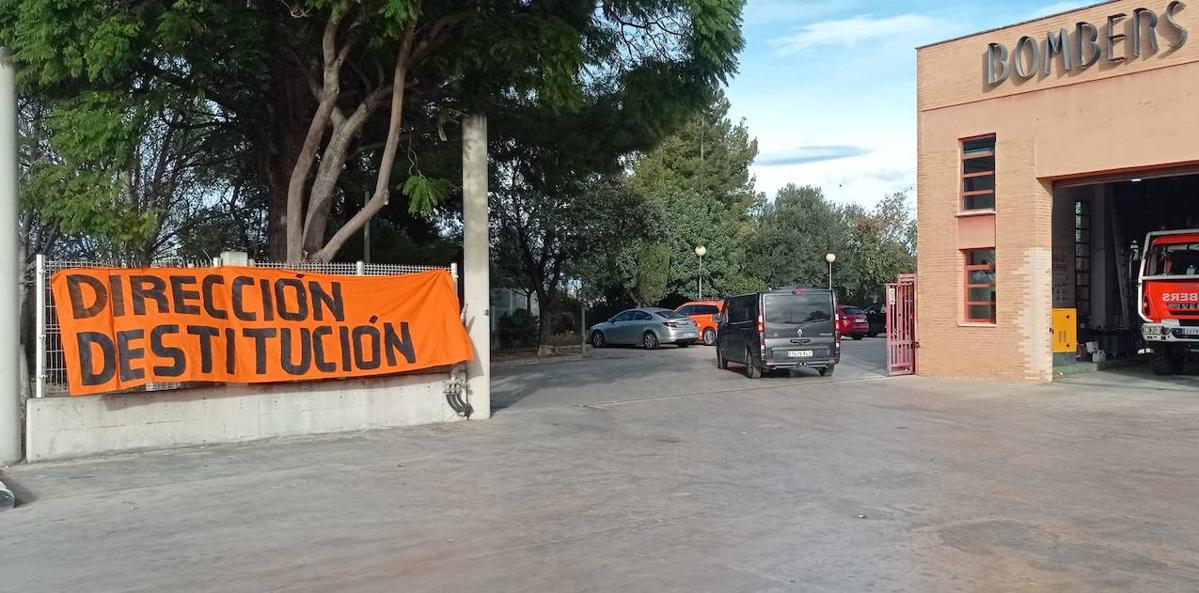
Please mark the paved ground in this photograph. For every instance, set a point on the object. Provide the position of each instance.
(656, 472)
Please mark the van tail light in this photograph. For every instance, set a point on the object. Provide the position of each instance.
(761, 332)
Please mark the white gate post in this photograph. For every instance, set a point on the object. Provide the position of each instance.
(476, 262)
(39, 322)
(10, 297)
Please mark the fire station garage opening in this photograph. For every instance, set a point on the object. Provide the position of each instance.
(1126, 273)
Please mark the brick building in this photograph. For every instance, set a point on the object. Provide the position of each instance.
(1046, 149)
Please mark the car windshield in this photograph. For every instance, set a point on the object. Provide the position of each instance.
(669, 314)
(1178, 259)
(853, 311)
(795, 309)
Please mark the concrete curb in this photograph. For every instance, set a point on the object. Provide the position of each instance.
(7, 499)
(526, 362)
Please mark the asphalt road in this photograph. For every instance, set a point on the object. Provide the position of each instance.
(653, 471)
(626, 374)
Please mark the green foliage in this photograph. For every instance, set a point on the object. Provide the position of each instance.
(622, 74)
(398, 11)
(425, 193)
(653, 263)
(698, 178)
(518, 329)
(801, 226)
(794, 233)
(83, 202)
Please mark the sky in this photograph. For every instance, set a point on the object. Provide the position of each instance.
(828, 87)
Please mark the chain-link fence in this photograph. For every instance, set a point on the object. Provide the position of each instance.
(50, 372)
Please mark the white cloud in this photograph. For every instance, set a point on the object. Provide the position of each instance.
(859, 180)
(1061, 7)
(774, 12)
(808, 154)
(851, 32)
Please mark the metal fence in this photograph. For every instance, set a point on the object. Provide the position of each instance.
(50, 372)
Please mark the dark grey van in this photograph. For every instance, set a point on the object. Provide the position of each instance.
(779, 329)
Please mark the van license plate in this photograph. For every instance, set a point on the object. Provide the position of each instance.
(800, 354)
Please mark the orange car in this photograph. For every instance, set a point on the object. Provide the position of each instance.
(703, 313)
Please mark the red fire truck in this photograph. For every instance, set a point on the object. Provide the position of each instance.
(1169, 298)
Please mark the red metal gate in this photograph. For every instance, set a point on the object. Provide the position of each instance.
(901, 326)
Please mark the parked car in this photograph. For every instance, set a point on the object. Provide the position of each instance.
(851, 321)
(876, 316)
(704, 314)
(648, 326)
(779, 329)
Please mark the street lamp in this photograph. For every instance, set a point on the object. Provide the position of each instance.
(830, 258)
(701, 251)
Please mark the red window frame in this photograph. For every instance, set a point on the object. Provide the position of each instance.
(970, 284)
(964, 194)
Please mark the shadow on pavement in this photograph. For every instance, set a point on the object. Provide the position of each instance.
(1140, 376)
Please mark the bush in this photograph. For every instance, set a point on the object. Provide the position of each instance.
(518, 329)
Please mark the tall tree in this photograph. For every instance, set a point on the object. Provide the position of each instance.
(699, 178)
(794, 232)
(311, 85)
(544, 237)
(880, 245)
(801, 226)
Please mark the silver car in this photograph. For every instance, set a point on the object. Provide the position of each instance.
(648, 326)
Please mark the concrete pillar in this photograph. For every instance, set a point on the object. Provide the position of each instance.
(476, 261)
(10, 298)
(235, 258)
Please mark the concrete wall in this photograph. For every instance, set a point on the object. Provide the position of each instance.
(1132, 116)
(66, 427)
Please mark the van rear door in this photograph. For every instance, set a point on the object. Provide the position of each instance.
(799, 326)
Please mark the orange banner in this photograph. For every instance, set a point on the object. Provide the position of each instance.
(122, 328)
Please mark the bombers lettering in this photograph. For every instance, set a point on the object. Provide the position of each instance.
(1180, 297)
(1120, 38)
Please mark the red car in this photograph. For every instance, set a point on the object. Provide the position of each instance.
(852, 322)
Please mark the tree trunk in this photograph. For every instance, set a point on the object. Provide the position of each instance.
(545, 323)
(383, 181)
(279, 143)
(331, 166)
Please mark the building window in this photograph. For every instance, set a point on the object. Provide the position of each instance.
(980, 286)
(978, 173)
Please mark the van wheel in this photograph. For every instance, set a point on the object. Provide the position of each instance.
(752, 370)
(857, 337)
(650, 341)
(1167, 360)
(827, 371)
(598, 340)
(709, 337)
